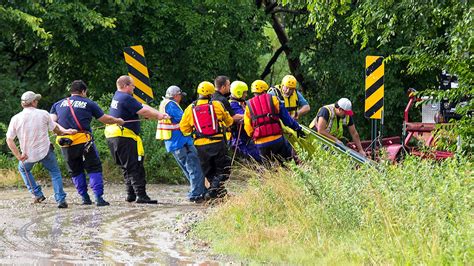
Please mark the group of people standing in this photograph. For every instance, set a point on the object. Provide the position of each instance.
(197, 137)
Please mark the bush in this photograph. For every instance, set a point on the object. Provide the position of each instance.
(328, 211)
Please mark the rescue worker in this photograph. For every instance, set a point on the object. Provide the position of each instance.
(125, 143)
(79, 150)
(292, 98)
(222, 87)
(331, 120)
(179, 145)
(204, 117)
(31, 127)
(240, 141)
(262, 121)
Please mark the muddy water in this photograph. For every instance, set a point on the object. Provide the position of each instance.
(121, 233)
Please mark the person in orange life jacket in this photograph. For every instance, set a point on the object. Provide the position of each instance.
(31, 127)
(179, 145)
(240, 140)
(262, 121)
(331, 120)
(125, 143)
(79, 151)
(291, 98)
(204, 117)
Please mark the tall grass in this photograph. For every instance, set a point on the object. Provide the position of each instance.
(328, 211)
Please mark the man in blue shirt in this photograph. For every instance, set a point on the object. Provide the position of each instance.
(79, 150)
(125, 143)
(181, 146)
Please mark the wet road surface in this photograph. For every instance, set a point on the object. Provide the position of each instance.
(121, 233)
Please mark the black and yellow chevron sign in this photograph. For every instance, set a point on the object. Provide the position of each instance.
(135, 59)
(374, 87)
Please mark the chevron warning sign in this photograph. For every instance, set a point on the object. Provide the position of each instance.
(374, 87)
(135, 59)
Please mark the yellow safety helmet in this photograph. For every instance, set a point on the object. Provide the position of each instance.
(237, 88)
(259, 86)
(289, 81)
(205, 88)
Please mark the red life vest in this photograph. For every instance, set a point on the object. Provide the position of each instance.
(265, 119)
(205, 120)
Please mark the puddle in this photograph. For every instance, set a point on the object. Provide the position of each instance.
(122, 233)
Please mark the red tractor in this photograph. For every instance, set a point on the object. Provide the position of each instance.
(418, 132)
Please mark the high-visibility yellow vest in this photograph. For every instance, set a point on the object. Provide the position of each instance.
(112, 131)
(165, 127)
(78, 138)
(291, 103)
(337, 131)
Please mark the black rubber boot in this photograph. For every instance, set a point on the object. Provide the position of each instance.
(131, 196)
(99, 201)
(144, 199)
(86, 200)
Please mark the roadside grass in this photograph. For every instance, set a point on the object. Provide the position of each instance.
(329, 211)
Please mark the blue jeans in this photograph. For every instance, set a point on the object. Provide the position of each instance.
(188, 160)
(51, 164)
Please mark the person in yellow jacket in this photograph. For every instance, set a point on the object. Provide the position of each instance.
(294, 101)
(125, 143)
(204, 118)
(262, 122)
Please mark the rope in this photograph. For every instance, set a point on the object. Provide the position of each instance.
(27, 177)
(237, 146)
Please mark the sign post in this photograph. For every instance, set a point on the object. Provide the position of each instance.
(138, 71)
(374, 95)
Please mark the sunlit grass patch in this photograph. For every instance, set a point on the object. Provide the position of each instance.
(330, 211)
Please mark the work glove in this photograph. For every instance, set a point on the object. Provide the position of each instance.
(300, 133)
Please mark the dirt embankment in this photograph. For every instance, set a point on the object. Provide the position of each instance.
(120, 233)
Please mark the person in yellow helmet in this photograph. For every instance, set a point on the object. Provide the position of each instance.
(204, 118)
(262, 122)
(240, 141)
(294, 101)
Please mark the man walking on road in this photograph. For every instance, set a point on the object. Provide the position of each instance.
(179, 145)
(31, 126)
(125, 143)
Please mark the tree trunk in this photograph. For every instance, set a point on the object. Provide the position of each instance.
(294, 62)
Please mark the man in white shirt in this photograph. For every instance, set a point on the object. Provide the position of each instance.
(31, 127)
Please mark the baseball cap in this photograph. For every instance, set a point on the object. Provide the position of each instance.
(29, 96)
(173, 91)
(346, 105)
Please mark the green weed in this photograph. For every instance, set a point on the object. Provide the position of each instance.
(328, 211)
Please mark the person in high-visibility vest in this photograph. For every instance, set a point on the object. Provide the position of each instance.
(262, 121)
(294, 101)
(125, 143)
(240, 141)
(79, 150)
(331, 120)
(31, 127)
(179, 145)
(205, 118)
